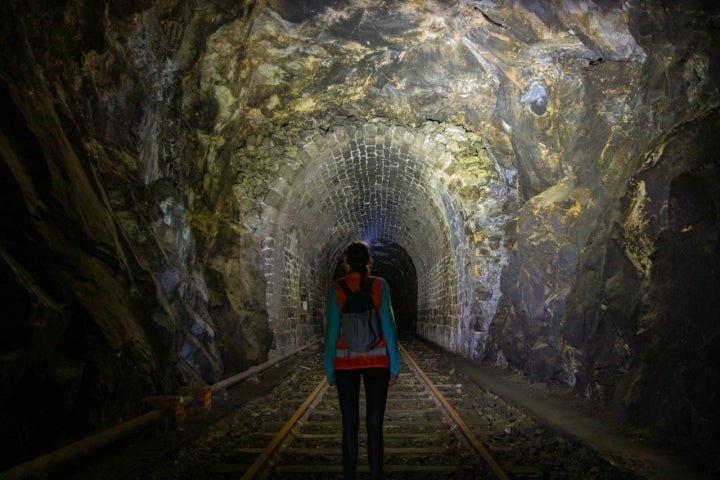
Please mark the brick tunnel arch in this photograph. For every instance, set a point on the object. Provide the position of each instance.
(375, 182)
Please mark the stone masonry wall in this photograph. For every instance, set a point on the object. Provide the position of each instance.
(422, 189)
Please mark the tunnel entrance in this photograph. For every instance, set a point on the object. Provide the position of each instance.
(431, 202)
(392, 262)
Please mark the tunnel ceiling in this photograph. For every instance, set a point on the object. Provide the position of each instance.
(500, 73)
(422, 189)
(372, 186)
(181, 179)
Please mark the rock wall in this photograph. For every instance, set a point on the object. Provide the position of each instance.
(181, 177)
(120, 283)
(646, 340)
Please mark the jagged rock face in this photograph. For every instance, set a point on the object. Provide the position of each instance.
(539, 182)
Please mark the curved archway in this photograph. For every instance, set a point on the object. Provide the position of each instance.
(378, 183)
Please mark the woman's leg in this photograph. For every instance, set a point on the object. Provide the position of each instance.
(348, 388)
(376, 389)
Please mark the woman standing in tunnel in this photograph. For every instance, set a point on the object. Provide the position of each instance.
(378, 366)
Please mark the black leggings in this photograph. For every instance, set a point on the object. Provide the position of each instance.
(376, 388)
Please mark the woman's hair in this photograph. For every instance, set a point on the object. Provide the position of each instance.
(357, 258)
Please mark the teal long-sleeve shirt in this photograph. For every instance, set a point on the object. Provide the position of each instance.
(387, 322)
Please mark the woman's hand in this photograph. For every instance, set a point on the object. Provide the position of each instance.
(392, 379)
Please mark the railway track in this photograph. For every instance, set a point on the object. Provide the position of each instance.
(438, 425)
(295, 431)
(424, 436)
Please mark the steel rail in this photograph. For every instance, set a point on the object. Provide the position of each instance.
(102, 439)
(466, 431)
(235, 379)
(34, 468)
(260, 462)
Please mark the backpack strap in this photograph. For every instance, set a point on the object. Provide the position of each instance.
(364, 287)
(345, 287)
(367, 285)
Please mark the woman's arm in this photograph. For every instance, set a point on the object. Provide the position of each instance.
(332, 332)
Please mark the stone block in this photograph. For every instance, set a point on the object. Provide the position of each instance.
(341, 135)
(311, 149)
(369, 131)
(273, 198)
